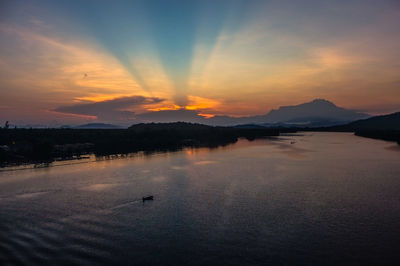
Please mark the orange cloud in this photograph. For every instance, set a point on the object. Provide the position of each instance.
(195, 103)
(200, 103)
(55, 72)
(165, 108)
(207, 115)
(100, 97)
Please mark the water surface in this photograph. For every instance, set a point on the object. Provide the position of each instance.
(312, 198)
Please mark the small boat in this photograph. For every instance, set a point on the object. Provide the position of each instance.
(147, 198)
(293, 142)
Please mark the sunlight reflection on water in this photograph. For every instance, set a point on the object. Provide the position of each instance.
(312, 198)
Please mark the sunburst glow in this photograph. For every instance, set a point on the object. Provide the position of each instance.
(232, 58)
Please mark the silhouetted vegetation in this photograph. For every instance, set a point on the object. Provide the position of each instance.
(35, 145)
(390, 135)
(38, 145)
(385, 127)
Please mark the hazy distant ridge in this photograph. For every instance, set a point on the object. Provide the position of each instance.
(315, 112)
(381, 122)
(97, 126)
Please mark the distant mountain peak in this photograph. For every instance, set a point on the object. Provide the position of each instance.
(97, 126)
(317, 109)
(322, 101)
(318, 103)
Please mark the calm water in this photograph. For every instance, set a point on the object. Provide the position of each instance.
(329, 198)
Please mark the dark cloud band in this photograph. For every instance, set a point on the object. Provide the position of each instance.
(115, 109)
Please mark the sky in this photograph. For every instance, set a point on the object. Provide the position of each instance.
(73, 62)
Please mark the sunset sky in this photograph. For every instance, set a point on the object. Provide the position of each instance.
(70, 62)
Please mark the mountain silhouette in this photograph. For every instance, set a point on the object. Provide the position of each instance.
(318, 112)
(97, 126)
(314, 110)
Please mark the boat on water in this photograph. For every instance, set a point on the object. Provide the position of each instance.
(147, 198)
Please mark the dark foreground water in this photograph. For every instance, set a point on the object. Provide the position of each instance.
(328, 198)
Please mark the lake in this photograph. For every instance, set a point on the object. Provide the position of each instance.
(307, 198)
